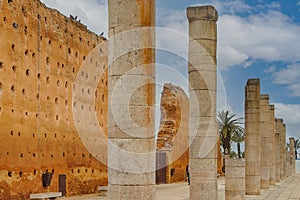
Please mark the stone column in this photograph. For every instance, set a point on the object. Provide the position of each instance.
(277, 145)
(292, 153)
(131, 137)
(264, 141)
(203, 131)
(282, 150)
(235, 179)
(272, 150)
(252, 136)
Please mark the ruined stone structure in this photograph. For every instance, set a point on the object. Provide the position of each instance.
(173, 132)
(264, 141)
(272, 147)
(132, 146)
(41, 53)
(203, 133)
(235, 179)
(252, 137)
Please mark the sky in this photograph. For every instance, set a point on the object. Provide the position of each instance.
(256, 39)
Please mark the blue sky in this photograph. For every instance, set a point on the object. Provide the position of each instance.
(256, 39)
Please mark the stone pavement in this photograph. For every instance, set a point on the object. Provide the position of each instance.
(288, 189)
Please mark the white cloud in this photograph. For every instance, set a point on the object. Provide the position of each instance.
(271, 69)
(268, 36)
(92, 13)
(289, 76)
(291, 115)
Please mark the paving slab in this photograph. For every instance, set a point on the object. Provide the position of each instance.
(288, 189)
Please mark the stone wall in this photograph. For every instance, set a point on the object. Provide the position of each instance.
(173, 130)
(41, 53)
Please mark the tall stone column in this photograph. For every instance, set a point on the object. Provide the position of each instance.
(252, 137)
(131, 137)
(293, 156)
(282, 149)
(277, 145)
(264, 141)
(203, 131)
(272, 142)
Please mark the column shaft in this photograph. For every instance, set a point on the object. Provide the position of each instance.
(264, 141)
(131, 137)
(252, 137)
(272, 150)
(278, 150)
(203, 131)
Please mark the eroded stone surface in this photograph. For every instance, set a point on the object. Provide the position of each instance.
(173, 131)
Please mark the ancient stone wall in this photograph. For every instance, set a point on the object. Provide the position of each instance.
(41, 53)
(173, 130)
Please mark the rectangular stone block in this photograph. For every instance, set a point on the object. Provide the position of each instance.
(133, 66)
(197, 25)
(132, 155)
(252, 140)
(203, 147)
(253, 117)
(203, 166)
(199, 61)
(115, 132)
(252, 168)
(234, 195)
(254, 89)
(234, 183)
(130, 178)
(202, 103)
(199, 192)
(137, 121)
(252, 184)
(203, 80)
(235, 172)
(236, 163)
(202, 126)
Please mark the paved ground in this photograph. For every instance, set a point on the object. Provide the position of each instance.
(288, 189)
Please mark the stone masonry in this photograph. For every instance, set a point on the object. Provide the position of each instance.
(264, 141)
(203, 132)
(131, 146)
(252, 137)
(41, 54)
(235, 179)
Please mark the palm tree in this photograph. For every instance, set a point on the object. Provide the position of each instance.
(238, 137)
(228, 124)
(297, 146)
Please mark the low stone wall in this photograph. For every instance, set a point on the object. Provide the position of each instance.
(235, 179)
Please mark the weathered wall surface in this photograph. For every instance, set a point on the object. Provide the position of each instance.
(41, 53)
(173, 130)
